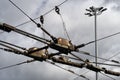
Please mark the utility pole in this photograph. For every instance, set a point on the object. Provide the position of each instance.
(94, 11)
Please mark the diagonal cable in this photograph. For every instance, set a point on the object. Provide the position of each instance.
(57, 10)
(43, 14)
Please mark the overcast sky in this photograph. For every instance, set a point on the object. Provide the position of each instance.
(79, 26)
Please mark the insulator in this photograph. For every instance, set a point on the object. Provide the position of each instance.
(57, 10)
(42, 19)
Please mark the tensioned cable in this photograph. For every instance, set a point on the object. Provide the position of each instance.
(57, 10)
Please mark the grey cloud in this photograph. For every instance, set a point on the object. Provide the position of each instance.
(81, 30)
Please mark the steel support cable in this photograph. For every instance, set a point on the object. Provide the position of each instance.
(12, 45)
(43, 14)
(28, 61)
(37, 24)
(67, 70)
(23, 12)
(57, 10)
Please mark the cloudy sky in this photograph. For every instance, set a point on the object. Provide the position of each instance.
(79, 26)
